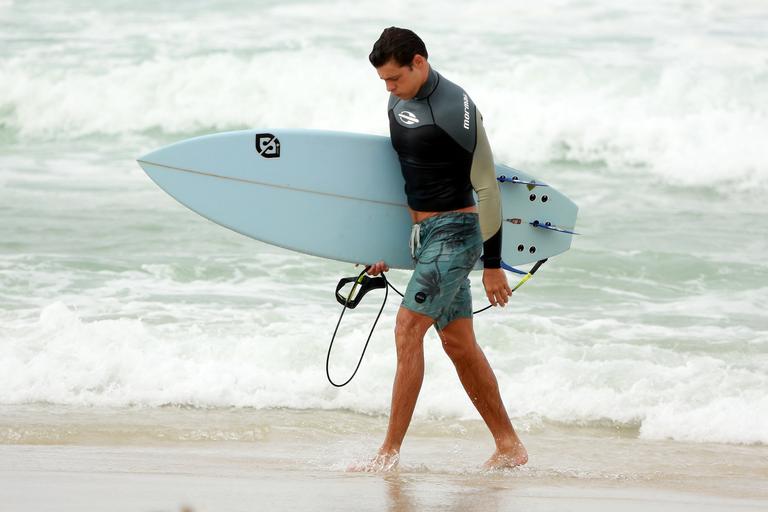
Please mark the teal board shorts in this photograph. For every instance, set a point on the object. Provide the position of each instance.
(445, 248)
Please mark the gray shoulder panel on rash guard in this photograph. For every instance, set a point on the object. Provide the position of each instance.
(412, 113)
(455, 112)
(392, 101)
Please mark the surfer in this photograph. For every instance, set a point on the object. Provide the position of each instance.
(444, 155)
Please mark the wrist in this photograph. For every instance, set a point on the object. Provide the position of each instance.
(491, 262)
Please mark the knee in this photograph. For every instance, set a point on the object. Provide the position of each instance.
(409, 333)
(456, 348)
(404, 327)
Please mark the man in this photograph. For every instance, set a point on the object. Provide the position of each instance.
(444, 155)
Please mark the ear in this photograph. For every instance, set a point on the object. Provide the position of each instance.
(419, 61)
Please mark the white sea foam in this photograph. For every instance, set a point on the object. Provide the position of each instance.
(269, 360)
(685, 101)
(112, 294)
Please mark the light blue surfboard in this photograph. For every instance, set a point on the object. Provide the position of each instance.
(336, 195)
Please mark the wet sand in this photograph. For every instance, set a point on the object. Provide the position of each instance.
(211, 460)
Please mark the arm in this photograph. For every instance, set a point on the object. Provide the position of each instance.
(483, 178)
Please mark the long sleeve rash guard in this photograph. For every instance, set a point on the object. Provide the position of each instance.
(444, 154)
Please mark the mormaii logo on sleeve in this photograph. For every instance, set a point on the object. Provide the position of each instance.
(466, 112)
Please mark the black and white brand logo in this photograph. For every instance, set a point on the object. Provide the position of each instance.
(420, 297)
(267, 145)
(466, 112)
(408, 117)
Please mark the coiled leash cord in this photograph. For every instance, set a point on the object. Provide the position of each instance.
(366, 284)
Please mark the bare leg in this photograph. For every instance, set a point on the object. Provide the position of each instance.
(480, 383)
(410, 328)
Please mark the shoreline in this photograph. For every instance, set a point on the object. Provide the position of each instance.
(176, 457)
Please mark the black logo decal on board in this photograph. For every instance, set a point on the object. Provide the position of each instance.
(267, 145)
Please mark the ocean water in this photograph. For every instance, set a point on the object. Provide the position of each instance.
(652, 117)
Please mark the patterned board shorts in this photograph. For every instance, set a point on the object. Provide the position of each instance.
(446, 248)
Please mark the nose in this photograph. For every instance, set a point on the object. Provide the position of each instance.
(390, 87)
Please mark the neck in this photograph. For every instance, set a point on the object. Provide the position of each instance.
(426, 76)
(425, 89)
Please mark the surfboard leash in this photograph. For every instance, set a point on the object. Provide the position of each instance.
(365, 284)
(526, 277)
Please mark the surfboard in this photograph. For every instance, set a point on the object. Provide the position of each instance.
(336, 195)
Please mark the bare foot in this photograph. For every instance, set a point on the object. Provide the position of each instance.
(507, 458)
(380, 463)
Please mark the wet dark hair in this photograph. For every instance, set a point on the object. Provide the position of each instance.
(397, 43)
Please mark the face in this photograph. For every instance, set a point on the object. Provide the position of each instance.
(404, 81)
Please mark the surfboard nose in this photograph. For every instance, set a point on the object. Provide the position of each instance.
(160, 156)
(226, 153)
(149, 161)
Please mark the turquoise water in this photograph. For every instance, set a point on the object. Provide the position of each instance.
(652, 118)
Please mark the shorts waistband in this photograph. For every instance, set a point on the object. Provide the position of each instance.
(463, 217)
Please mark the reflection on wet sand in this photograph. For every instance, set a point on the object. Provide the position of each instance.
(448, 494)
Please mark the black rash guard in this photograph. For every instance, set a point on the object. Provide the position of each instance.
(444, 155)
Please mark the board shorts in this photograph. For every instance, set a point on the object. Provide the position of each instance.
(445, 248)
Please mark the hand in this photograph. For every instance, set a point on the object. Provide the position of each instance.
(377, 268)
(496, 287)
